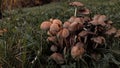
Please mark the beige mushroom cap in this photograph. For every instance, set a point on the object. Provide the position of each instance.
(79, 4)
(45, 25)
(58, 58)
(77, 51)
(54, 27)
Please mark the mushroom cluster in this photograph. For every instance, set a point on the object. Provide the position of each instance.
(77, 35)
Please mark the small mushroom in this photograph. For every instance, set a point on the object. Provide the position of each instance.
(58, 58)
(78, 4)
(57, 21)
(65, 33)
(117, 33)
(98, 40)
(84, 11)
(54, 27)
(53, 48)
(77, 51)
(102, 19)
(45, 25)
(72, 19)
(75, 26)
(66, 24)
(51, 39)
(111, 31)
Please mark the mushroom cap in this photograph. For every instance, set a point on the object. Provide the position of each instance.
(71, 19)
(111, 31)
(83, 33)
(66, 24)
(77, 51)
(1, 32)
(117, 33)
(99, 39)
(51, 39)
(102, 19)
(84, 11)
(75, 26)
(53, 48)
(65, 33)
(79, 4)
(57, 21)
(54, 27)
(99, 20)
(58, 58)
(45, 25)
(79, 20)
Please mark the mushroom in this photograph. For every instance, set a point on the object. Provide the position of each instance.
(53, 48)
(99, 20)
(58, 58)
(45, 25)
(117, 33)
(57, 21)
(76, 4)
(75, 26)
(64, 33)
(98, 40)
(51, 39)
(77, 51)
(102, 19)
(84, 11)
(79, 4)
(111, 31)
(72, 19)
(66, 24)
(54, 28)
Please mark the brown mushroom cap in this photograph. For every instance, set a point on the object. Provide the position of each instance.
(111, 31)
(77, 51)
(99, 39)
(66, 24)
(65, 33)
(83, 33)
(57, 21)
(45, 25)
(1, 32)
(84, 11)
(71, 19)
(79, 4)
(117, 33)
(58, 58)
(51, 39)
(99, 20)
(54, 27)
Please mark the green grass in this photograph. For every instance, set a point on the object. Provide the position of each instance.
(24, 39)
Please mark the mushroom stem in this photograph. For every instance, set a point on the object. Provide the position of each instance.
(75, 13)
(85, 40)
(96, 45)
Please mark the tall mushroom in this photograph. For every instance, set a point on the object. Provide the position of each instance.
(76, 4)
(98, 40)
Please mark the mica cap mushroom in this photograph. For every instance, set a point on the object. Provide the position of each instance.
(98, 40)
(77, 51)
(58, 58)
(79, 4)
(45, 25)
(111, 31)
